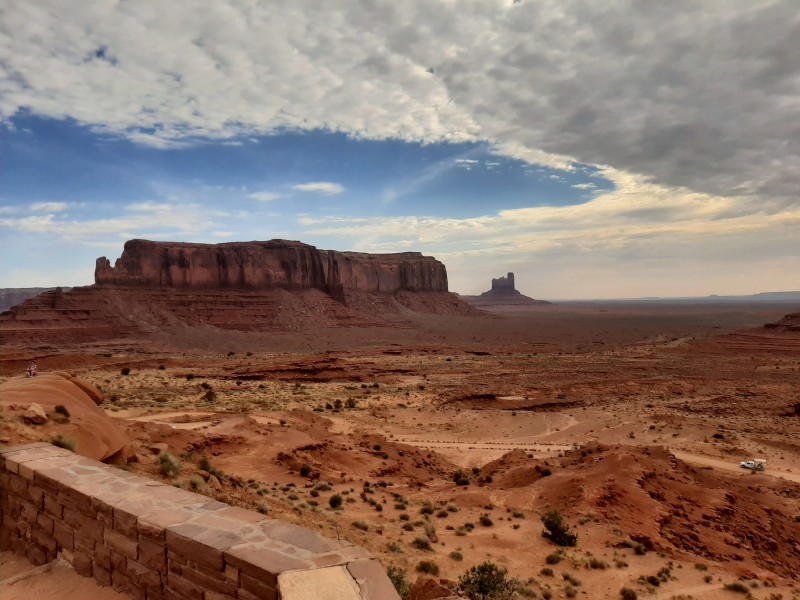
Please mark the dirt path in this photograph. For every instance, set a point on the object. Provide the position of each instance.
(731, 466)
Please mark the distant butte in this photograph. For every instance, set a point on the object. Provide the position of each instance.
(503, 293)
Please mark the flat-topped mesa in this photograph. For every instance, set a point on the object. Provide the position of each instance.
(269, 265)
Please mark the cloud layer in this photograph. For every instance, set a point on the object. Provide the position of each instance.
(695, 94)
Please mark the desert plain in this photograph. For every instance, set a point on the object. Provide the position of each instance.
(438, 442)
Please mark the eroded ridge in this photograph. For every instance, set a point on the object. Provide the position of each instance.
(150, 540)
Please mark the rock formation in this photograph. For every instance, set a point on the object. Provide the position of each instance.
(268, 265)
(159, 288)
(503, 293)
(34, 399)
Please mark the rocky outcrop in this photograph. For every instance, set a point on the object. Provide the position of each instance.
(269, 265)
(158, 289)
(790, 322)
(12, 296)
(503, 293)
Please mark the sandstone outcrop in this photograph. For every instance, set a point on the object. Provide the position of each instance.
(33, 399)
(183, 289)
(268, 265)
(503, 293)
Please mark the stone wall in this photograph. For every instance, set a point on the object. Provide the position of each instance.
(150, 540)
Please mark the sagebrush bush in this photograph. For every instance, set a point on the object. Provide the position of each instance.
(557, 531)
(398, 578)
(484, 581)
(169, 466)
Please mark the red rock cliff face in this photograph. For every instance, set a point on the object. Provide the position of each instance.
(269, 265)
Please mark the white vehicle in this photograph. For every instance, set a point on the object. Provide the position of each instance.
(757, 464)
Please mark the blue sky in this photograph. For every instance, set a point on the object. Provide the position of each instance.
(473, 132)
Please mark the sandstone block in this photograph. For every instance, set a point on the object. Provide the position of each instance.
(87, 526)
(199, 544)
(44, 524)
(52, 508)
(263, 562)
(331, 583)
(372, 580)
(101, 574)
(82, 564)
(146, 577)
(123, 584)
(208, 582)
(125, 546)
(152, 554)
(183, 589)
(256, 587)
(63, 535)
(36, 496)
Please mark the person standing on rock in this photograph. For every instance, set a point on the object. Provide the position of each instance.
(32, 369)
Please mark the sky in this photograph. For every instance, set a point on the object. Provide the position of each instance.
(609, 149)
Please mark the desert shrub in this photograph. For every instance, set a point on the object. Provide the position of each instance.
(305, 471)
(125, 371)
(546, 571)
(169, 465)
(62, 442)
(407, 527)
(427, 509)
(361, 525)
(701, 566)
(263, 507)
(422, 543)
(398, 578)
(653, 580)
(428, 567)
(737, 586)
(569, 577)
(627, 593)
(557, 531)
(189, 377)
(486, 521)
(62, 410)
(430, 531)
(337, 404)
(335, 501)
(456, 555)
(197, 482)
(351, 403)
(596, 563)
(554, 558)
(570, 591)
(209, 396)
(484, 581)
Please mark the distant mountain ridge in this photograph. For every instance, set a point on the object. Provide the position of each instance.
(12, 296)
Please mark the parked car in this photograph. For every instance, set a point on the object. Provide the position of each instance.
(757, 464)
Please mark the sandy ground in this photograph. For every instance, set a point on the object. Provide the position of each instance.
(630, 420)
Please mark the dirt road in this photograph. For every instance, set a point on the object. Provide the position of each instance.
(734, 467)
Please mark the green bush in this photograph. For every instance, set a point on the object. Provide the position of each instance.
(737, 586)
(557, 531)
(484, 581)
(456, 555)
(421, 543)
(554, 558)
(335, 501)
(627, 594)
(398, 578)
(305, 471)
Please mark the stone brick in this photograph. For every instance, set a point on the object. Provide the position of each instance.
(36, 496)
(372, 580)
(83, 544)
(208, 582)
(154, 525)
(82, 564)
(63, 535)
(152, 554)
(209, 595)
(119, 562)
(101, 574)
(120, 543)
(36, 555)
(148, 578)
(125, 523)
(123, 584)
(184, 589)
(263, 562)
(201, 545)
(18, 486)
(29, 513)
(242, 594)
(52, 507)
(153, 595)
(295, 535)
(232, 574)
(45, 542)
(88, 526)
(44, 523)
(330, 582)
(102, 556)
(256, 588)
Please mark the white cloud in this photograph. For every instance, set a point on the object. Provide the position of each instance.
(48, 207)
(319, 187)
(265, 196)
(584, 186)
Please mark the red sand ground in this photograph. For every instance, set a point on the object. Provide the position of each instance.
(630, 420)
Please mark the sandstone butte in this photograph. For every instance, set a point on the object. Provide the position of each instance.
(249, 286)
(502, 293)
(268, 265)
